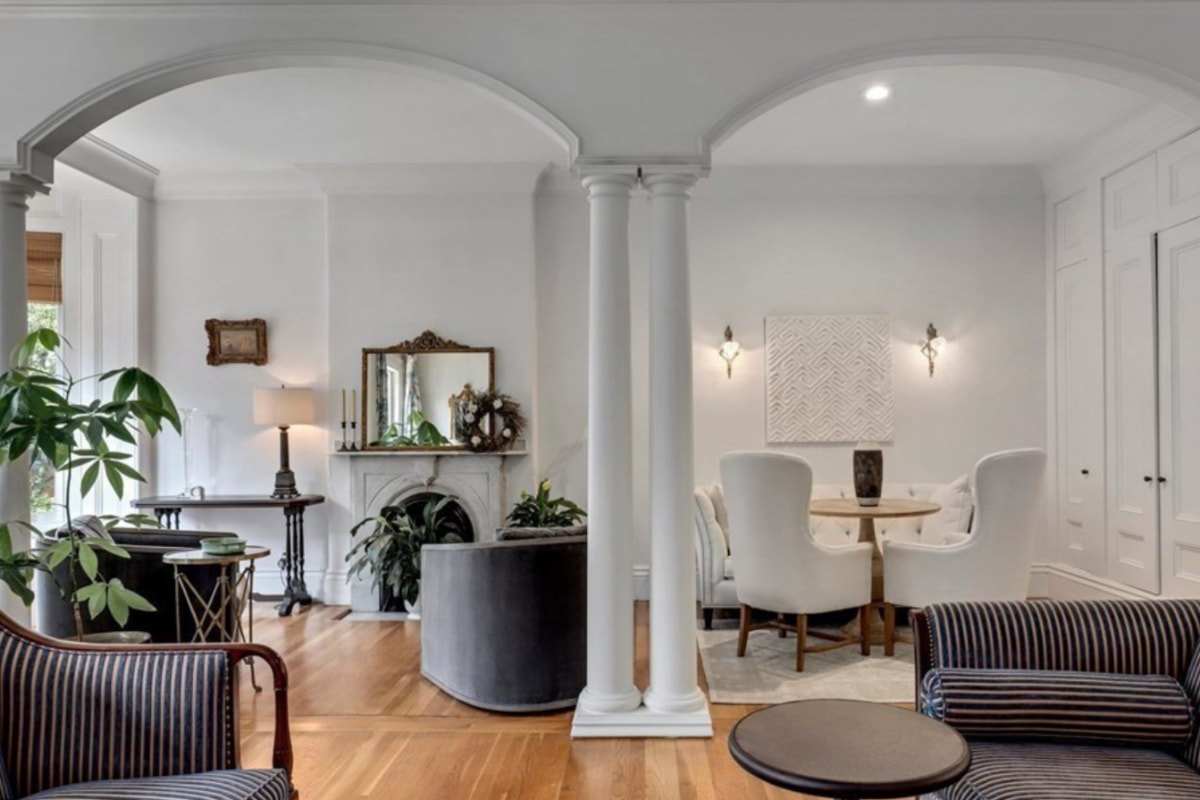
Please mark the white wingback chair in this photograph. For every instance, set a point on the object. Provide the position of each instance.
(781, 567)
(993, 562)
(716, 587)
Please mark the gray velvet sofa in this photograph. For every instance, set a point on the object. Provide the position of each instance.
(1095, 700)
(503, 624)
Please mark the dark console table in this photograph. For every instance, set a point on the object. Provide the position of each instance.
(291, 565)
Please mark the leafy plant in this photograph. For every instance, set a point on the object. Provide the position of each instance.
(392, 550)
(427, 434)
(542, 511)
(40, 417)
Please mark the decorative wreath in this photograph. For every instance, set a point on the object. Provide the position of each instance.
(491, 422)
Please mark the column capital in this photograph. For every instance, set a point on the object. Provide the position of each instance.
(16, 189)
(609, 183)
(678, 184)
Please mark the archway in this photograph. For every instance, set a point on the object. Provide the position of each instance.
(1109, 66)
(38, 149)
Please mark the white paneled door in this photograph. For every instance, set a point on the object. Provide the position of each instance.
(1132, 440)
(1179, 406)
(1079, 319)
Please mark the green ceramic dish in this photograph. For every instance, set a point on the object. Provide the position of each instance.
(223, 545)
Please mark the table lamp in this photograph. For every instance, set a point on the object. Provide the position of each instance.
(283, 408)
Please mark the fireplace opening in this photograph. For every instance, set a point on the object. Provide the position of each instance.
(452, 518)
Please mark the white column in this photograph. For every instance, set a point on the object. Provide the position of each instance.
(14, 322)
(673, 685)
(610, 688)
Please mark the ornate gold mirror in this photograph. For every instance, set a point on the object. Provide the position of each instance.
(413, 392)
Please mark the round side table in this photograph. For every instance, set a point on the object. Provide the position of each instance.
(220, 611)
(849, 749)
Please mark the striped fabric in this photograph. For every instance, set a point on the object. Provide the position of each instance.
(73, 717)
(1191, 685)
(248, 784)
(1134, 637)
(1131, 710)
(1009, 771)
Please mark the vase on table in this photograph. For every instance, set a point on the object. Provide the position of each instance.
(868, 473)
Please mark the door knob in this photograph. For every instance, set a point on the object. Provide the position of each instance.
(1084, 471)
(1162, 479)
(1147, 478)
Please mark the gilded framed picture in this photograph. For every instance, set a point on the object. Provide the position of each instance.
(241, 341)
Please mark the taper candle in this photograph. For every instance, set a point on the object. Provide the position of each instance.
(354, 405)
(343, 406)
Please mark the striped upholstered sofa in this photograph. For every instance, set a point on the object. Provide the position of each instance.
(153, 722)
(1066, 700)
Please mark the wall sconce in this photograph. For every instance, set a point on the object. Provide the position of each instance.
(730, 350)
(933, 346)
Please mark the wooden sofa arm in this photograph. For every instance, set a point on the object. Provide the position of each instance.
(282, 755)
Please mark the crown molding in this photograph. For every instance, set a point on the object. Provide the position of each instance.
(1112, 148)
(426, 179)
(263, 184)
(108, 163)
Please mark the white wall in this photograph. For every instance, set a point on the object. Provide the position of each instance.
(239, 259)
(331, 277)
(960, 247)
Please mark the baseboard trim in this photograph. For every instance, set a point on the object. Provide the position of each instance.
(1064, 582)
(642, 723)
(641, 581)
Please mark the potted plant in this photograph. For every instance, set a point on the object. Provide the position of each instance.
(41, 417)
(391, 552)
(540, 515)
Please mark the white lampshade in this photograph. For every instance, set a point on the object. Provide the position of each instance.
(282, 407)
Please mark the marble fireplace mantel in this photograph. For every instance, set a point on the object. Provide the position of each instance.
(363, 482)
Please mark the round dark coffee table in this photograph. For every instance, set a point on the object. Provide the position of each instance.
(849, 749)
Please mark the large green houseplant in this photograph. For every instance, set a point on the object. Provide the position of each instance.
(391, 551)
(41, 417)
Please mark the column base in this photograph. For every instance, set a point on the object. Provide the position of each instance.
(592, 703)
(675, 704)
(641, 723)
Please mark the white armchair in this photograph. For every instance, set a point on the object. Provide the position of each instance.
(781, 567)
(993, 562)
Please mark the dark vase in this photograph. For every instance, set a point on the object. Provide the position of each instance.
(868, 475)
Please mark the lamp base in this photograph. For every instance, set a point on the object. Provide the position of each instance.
(285, 485)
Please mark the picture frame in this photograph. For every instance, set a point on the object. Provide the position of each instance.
(241, 341)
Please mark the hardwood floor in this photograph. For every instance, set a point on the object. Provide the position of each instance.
(366, 725)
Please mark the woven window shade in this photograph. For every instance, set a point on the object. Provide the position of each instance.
(44, 257)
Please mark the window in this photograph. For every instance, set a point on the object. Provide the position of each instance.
(44, 285)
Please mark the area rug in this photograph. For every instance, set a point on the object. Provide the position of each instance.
(767, 675)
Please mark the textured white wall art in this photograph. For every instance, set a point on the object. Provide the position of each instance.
(829, 379)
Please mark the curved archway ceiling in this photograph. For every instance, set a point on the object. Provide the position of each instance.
(281, 118)
(950, 115)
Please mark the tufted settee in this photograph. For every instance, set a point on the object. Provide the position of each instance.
(1069, 699)
(715, 574)
(87, 722)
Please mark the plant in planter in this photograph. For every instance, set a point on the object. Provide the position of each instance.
(40, 416)
(391, 552)
(539, 515)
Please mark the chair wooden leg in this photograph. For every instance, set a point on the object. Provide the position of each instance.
(864, 628)
(708, 618)
(782, 630)
(889, 629)
(801, 640)
(743, 630)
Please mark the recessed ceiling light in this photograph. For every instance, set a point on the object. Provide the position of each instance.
(877, 93)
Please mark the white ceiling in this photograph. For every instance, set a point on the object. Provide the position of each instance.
(936, 115)
(282, 118)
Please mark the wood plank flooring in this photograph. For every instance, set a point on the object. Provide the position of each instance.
(366, 725)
